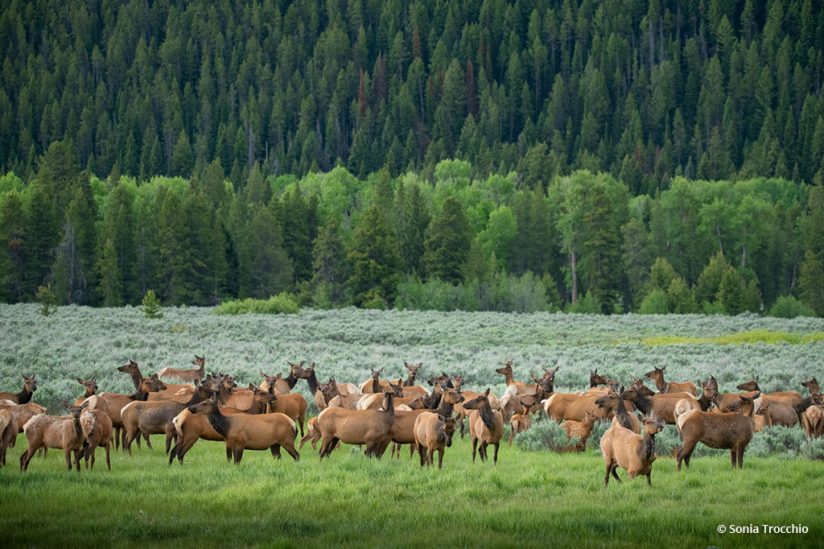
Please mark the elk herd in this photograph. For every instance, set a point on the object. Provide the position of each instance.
(381, 412)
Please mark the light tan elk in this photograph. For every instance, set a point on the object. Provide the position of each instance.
(660, 405)
(21, 413)
(312, 434)
(620, 447)
(191, 427)
(433, 433)
(24, 396)
(283, 386)
(374, 385)
(64, 432)
(783, 404)
(726, 430)
(251, 432)
(293, 405)
(581, 430)
(561, 406)
(616, 403)
(403, 429)
(485, 426)
(97, 429)
(512, 386)
(411, 390)
(339, 400)
(657, 375)
(369, 427)
(193, 375)
(89, 389)
(519, 423)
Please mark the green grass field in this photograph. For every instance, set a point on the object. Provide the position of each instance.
(528, 499)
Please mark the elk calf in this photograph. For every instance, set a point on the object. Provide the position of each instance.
(433, 433)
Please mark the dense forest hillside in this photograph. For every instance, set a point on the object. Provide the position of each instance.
(643, 89)
(652, 156)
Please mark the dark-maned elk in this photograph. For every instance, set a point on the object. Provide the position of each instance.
(374, 385)
(281, 385)
(251, 432)
(725, 430)
(485, 425)
(24, 396)
(657, 375)
(193, 375)
(620, 447)
(369, 427)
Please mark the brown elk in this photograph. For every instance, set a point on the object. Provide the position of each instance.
(660, 405)
(621, 447)
(565, 406)
(512, 386)
(20, 414)
(8, 432)
(657, 375)
(90, 388)
(312, 434)
(191, 427)
(726, 430)
(193, 375)
(369, 427)
(374, 385)
(97, 430)
(64, 432)
(812, 421)
(403, 429)
(169, 392)
(485, 425)
(616, 403)
(114, 403)
(433, 433)
(519, 423)
(24, 396)
(790, 398)
(281, 385)
(250, 432)
(410, 390)
(308, 374)
(581, 429)
(293, 405)
(151, 418)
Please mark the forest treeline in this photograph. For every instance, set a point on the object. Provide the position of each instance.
(583, 243)
(644, 89)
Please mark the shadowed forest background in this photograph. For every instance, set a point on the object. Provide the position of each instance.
(593, 156)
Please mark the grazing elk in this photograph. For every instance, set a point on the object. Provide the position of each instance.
(485, 425)
(191, 427)
(369, 427)
(725, 430)
(621, 447)
(24, 396)
(433, 433)
(657, 375)
(64, 432)
(250, 432)
(193, 375)
(97, 430)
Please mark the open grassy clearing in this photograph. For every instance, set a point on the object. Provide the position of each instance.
(529, 498)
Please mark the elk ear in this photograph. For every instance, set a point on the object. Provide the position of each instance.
(66, 405)
(80, 381)
(262, 374)
(85, 404)
(486, 393)
(252, 387)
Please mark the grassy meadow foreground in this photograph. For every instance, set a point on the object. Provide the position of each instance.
(530, 498)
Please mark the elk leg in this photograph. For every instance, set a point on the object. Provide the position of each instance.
(421, 454)
(649, 480)
(148, 441)
(411, 451)
(440, 458)
(740, 457)
(474, 447)
(68, 454)
(290, 449)
(608, 466)
(77, 459)
(304, 439)
(228, 454)
(733, 457)
(300, 421)
(615, 472)
(275, 451)
(495, 458)
(238, 455)
(511, 435)
(108, 461)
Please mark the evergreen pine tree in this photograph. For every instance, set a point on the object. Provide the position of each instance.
(448, 239)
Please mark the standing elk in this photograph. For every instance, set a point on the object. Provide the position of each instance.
(514, 387)
(193, 375)
(97, 430)
(24, 396)
(616, 403)
(620, 447)
(89, 389)
(657, 375)
(374, 385)
(403, 429)
(725, 430)
(433, 433)
(20, 414)
(64, 432)
(485, 425)
(8, 432)
(280, 385)
(369, 427)
(115, 402)
(250, 432)
(168, 392)
(581, 429)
